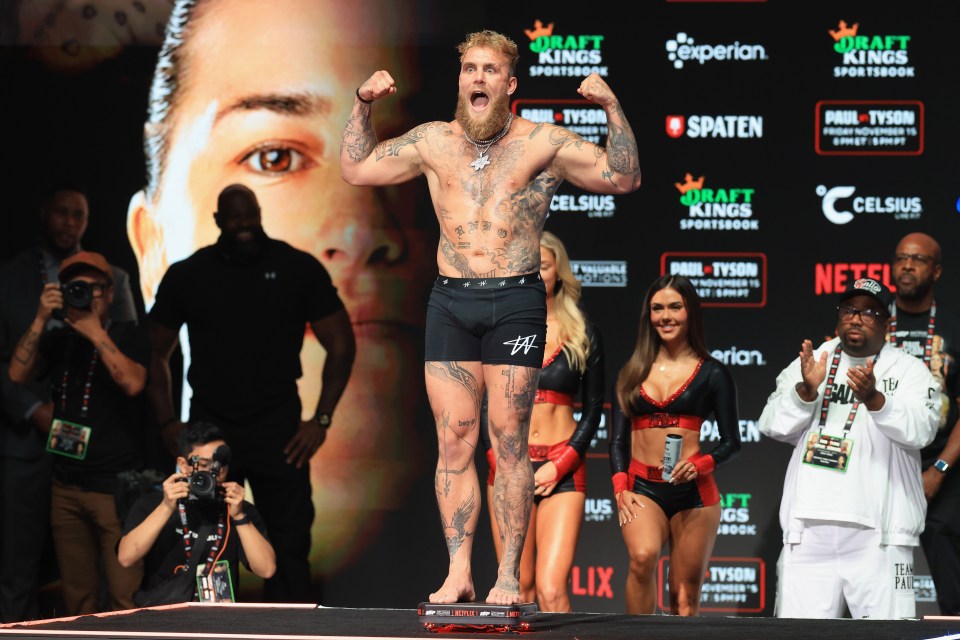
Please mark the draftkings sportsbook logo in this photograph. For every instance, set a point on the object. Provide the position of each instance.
(564, 55)
(683, 49)
(870, 56)
(715, 209)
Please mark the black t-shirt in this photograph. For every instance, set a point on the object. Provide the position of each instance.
(911, 336)
(168, 553)
(246, 323)
(89, 396)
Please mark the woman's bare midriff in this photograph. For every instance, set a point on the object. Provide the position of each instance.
(551, 423)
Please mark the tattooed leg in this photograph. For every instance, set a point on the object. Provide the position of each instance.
(510, 396)
(455, 390)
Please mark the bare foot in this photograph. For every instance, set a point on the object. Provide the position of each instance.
(504, 593)
(454, 589)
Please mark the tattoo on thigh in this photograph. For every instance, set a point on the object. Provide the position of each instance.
(452, 371)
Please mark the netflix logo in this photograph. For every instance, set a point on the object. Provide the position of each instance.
(834, 277)
(593, 582)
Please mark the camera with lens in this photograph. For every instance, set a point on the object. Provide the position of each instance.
(203, 486)
(77, 294)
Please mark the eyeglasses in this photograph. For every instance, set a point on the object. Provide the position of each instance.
(201, 464)
(867, 316)
(918, 258)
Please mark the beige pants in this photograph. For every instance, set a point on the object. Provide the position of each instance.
(85, 534)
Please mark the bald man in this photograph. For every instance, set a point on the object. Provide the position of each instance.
(923, 327)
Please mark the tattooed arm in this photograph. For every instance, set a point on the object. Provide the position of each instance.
(129, 375)
(613, 169)
(26, 355)
(363, 160)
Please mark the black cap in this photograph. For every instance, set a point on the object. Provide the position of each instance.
(869, 287)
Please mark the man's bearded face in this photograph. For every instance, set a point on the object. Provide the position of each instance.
(487, 125)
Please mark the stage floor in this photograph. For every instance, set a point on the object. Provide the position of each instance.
(309, 622)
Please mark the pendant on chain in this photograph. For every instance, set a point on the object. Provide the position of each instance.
(480, 162)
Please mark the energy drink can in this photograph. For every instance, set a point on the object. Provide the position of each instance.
(671, 454)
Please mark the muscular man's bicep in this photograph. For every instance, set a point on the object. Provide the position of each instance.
(391, 162)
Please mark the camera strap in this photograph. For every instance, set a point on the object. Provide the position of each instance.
(201, 539)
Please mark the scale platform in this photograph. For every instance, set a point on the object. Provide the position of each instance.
(477, 615)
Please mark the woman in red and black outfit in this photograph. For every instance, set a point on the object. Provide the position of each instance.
(572, 367)
(670, 385)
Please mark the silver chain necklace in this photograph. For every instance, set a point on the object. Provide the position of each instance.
(482, 160)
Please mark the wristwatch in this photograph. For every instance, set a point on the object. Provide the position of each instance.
(323, 419)
(941, 465)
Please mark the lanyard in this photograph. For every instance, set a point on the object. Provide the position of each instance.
(87, 386)
(931, 323)
(828, 391)
(188, 543)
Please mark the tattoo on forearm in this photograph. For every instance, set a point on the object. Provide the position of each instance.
(358, 137)
(27, 347)
(623, 156)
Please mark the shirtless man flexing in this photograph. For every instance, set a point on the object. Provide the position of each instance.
(491, 177)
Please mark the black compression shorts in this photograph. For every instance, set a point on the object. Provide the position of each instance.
(488, 320)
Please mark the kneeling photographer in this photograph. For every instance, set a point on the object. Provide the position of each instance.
(193, 534)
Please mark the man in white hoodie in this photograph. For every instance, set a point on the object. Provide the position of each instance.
(849, 530)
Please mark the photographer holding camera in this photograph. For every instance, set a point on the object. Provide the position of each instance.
(25, 465)
(193, 533)
(97, 370)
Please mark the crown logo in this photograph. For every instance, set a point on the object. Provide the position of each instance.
(689, 184)
(843, 30)
(539, 30)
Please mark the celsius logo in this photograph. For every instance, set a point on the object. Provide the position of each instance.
(704, 126)
(598, 510)
(901, 207)
(594, 205)
(683, 49)
(564, 56)
(870, 56)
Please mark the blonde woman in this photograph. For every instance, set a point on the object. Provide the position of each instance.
(572, 368)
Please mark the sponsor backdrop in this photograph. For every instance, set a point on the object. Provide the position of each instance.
(784, 152)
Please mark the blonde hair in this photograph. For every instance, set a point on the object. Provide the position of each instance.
(573, 325)
(492, 40)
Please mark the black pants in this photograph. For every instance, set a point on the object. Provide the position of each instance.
(941, 543)
(281, 492)
(24, 534)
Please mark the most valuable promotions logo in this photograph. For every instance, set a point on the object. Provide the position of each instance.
(715, 209)
(865, 56)
(683, 49)
(564, 56)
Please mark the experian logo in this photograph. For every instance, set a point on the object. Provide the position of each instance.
(683, 49)
(740, 357)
